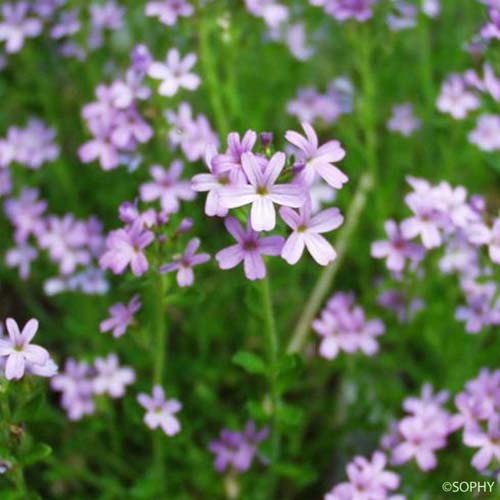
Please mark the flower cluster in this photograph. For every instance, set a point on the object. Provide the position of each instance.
(310, 106)
(367, 479)
(462, 94)
(236, 450)
(241, 176)
(80, 383)
(193, 135)
(69, 243)
(446, 217)
(114, 120)
(423, 431)
(479, 415)
(31, 146)
(343, 326)
(343, 10)
(66, 27)
(169, 11)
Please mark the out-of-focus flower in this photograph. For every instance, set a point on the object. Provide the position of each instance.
(343, 326)
(110, 378)
(168, 11)
(184, 264)
(121, 317)
(75, 383)
(175, 73)
(486, 135)
(16, 25)
(403, 120)
(237, 450)
(160, 412)
(367, 479)
(21, 257)
(273, 13)
(455, 99)
(167, 187)
(125, 247)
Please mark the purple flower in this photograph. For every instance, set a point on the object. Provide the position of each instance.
(487, 132)
(110, 378)
(126, 247)
(478, 312)
(341, 10)
(21, 257)
(249, 249)
(343, 326)
(491, 30)
(307, 231)
(212, 183)
(273, 13)
(418, 441)
(368, 480)
(488, 443)
(16, 26)
(397, 249)
(18, 350)
(236, 450)
(160, 412)
(167, 187)
(175, 73)
(403, 120)
(121, 317)
(425, 223)
(480, 234)
(65, 238)
(230, 161)
(318, 160)
(455, 99)
(184, 264)
(75, 383)
(262, 191)
(25, 214)
(167, 11)
(397, 301)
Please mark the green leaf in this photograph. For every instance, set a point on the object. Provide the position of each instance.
(290, 416)
(38, 453)
(250, 362)
(302, 475)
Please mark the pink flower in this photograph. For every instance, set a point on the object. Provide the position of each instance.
(16, 26)
(212, 183)
(307, 231)
(111, 378)
(121, 317)
(318, 160)
(167, 11)
(168, 187)
(403, 120)
(397, 249)
(160, 411)
(184, 264)
(455, 99)
(488, 442)
(486, 135)
(19, 351)
(126, 247)
(249, 249)
(262, 191)
(175, 73)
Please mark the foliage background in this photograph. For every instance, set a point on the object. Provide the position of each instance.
(334, 409)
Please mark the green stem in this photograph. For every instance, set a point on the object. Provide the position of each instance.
(159, 344)
(209, 65)
(273, 358)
